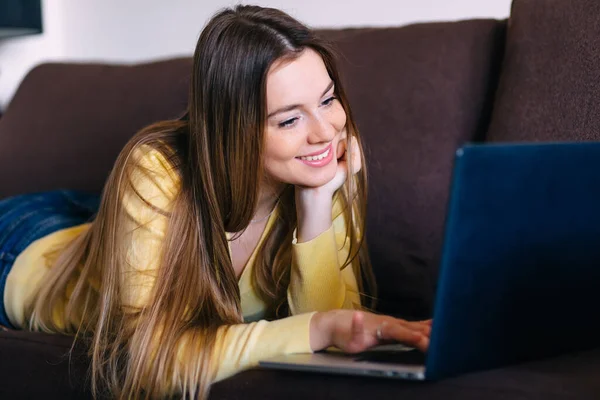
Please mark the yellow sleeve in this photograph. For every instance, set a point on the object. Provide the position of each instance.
(155, 186)
(146, 203)
(317, 281)
(244, 345)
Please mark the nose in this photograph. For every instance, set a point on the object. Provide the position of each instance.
(321, 130)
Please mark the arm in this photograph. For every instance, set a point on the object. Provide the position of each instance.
(318, 282)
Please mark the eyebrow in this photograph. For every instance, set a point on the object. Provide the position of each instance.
(292, 106)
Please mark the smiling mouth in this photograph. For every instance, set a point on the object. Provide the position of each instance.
(316, 157)
(319, 156)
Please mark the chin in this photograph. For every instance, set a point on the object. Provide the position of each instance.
(312, 184)
(312, 177)
(316, 181)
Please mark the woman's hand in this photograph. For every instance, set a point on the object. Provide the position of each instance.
(313, 205)
(356, 331)
(342, 166)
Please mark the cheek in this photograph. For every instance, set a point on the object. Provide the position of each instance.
(280, 147)
(338, 118)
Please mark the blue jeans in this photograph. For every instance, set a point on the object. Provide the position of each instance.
(27, 218)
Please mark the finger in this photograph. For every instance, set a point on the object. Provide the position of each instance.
(422, 323)
(423, 344)
(341, 149)
(400, 333)
(417, 326)
(379, 332)
(356, 156)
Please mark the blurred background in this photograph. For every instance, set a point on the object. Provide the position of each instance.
(130, 31)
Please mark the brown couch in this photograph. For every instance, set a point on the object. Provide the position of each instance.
(417, 93)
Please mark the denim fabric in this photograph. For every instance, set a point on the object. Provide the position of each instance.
(27, 218)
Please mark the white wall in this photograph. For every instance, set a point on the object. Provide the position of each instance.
(18, 55)
(141, 30)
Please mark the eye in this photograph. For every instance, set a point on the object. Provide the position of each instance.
(328, 101)
(288, 123)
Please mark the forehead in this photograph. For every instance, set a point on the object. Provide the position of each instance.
(298, 80)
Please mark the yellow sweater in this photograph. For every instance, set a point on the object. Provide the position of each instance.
(317, 282)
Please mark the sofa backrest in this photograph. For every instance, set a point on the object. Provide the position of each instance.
(550, 84)
(67, 122)
(417, 92)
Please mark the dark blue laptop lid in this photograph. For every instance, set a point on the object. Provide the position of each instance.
(520, 271)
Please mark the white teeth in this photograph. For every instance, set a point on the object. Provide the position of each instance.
(316, 158)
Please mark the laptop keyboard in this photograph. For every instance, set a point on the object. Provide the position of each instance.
(406, 357)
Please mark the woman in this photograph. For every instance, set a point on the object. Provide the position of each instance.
(230, 235)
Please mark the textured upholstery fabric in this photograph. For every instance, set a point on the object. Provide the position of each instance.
(417, 92)
(550, 84)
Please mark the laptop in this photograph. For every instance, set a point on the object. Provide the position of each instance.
(520, 267)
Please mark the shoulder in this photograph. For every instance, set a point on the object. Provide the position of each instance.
(151, 173)
(149, 159)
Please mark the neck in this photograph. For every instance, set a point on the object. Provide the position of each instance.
(267, 199)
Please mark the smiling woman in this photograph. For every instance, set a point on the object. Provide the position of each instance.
(308, 124)
(232, 234)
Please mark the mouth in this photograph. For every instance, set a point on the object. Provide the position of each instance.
(320, 159)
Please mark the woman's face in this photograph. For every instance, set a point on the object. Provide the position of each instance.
(305, 122)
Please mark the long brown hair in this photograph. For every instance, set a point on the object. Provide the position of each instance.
(215, 152)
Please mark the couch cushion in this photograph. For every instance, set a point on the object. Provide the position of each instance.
(550, 84)
(417, 93)
(67, 122)
(36, 365)
(39, 368)
(571, 376)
